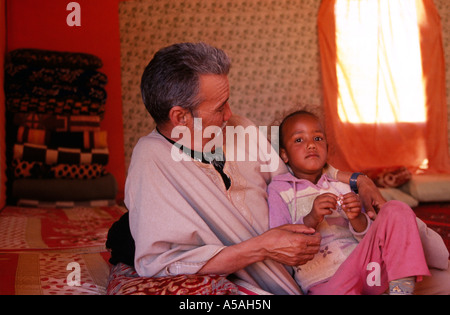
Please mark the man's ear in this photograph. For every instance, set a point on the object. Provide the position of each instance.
(178, 116)
(283, 155)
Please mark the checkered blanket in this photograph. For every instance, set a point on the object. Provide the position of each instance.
(85, 139)
(52, 58)
(41, 153)
(58, 123)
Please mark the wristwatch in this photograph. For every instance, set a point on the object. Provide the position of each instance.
(353, 182)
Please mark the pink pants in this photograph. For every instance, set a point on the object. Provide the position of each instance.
(390, 250)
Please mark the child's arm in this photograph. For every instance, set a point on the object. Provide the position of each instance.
(322, 206)
(359, 224)
(352, 208)
(370, 195)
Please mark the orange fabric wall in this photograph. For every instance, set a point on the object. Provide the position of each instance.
(42, 24)
(370, 146)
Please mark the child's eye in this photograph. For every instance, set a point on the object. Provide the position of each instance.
(299, 140)
(318, 138)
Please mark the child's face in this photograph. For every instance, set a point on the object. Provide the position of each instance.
(305, 145)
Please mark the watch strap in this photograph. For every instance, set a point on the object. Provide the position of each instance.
(354, 183)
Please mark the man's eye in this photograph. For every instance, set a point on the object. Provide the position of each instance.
(222, 108)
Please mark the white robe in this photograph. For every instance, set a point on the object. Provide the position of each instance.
(181, 214)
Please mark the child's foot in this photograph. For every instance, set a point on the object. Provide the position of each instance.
(403, 286)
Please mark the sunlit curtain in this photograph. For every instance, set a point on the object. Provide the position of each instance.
(383, 74)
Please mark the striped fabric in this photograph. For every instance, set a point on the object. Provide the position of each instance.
(41, 153)
(52, 58)
(85, 139)
(58, 123)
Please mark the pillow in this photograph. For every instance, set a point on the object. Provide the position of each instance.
(429, 188)
(397, 194)
(390, 176)
(124, 280)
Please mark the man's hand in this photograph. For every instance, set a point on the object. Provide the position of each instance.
(291, 244)
(371, 197)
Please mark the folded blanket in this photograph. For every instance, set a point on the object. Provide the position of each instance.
(55, 106)
(51, 139)
(101, 188)
(54, 82)
(26, 169)
(40, 153)
(45, 76)
(94, 93)
(49, 58)
(59, 123)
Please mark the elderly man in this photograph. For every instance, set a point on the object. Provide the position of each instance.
(197, 200)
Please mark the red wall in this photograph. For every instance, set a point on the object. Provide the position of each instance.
(2, 109)
(42, 24)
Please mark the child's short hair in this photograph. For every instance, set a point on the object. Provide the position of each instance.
(297, 112)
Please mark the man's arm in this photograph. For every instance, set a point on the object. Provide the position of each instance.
(290, 244)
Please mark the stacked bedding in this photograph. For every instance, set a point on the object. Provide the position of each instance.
(57, 101)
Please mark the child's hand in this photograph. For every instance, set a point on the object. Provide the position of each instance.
(351, 205)
(322, 206)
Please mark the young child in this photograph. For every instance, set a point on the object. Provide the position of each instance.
(357, 255)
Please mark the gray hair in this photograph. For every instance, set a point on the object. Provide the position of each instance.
(172, 77)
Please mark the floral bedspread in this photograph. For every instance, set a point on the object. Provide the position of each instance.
(55, 251)
(24, 229)
(53, 273)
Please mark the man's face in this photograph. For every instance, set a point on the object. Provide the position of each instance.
(214, 109)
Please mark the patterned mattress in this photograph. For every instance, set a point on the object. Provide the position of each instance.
(55, 250)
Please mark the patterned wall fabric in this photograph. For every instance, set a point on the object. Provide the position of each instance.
(273, 45)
